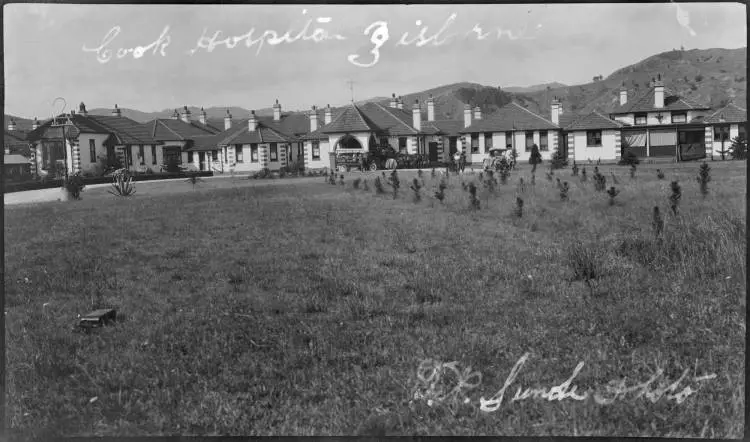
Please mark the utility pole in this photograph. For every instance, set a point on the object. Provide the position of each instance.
(351, 88)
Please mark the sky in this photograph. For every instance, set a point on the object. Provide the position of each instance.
(155, 57)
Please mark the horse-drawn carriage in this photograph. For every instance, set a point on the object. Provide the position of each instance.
(499, 159)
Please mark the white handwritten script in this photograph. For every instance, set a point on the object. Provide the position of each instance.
(440, 382)
(377, 33)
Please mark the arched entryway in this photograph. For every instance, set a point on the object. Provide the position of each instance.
(348, 142)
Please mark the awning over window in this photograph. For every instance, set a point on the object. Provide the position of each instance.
(634, 139)
(663, 138)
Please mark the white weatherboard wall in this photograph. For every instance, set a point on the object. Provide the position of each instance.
(520, 143)
(607, 151)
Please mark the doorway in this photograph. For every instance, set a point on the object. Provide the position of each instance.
(201, 160)
(433, 152)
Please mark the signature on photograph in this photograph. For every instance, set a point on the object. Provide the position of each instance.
(378, 33)
(446, 382)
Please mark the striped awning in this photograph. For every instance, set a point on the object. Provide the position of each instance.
(663, 138)
(634, 139)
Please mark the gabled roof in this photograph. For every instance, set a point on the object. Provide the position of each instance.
(392, 121)
(125, 130)
(122, 130)
(511, 117)
(164, 129)
(351, 119)
(594, 120)
(446, 127)
(645, 103)
(240, 134)
(15, 141)
(731, 113)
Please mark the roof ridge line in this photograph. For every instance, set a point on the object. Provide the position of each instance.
(170, 129)
(536, 115)
(362, 117)
(396, 118)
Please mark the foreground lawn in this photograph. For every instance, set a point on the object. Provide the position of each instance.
(307, 308)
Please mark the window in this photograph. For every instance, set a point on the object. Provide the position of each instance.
(529, 141)
(129, 154)
(92, 150)
(274, 152)
(384, 141)
(254, 153)
(402, 145)
(640, 119)
(487, 141)
(679, 118)
(474, 143)
(141, 155)
(593, 138)
(153, 154)
(226, 154)
(742, 129)
(721, 133)
(190, 157)
(543, 144)
(316, 150)
(215, 155)
(238, 153)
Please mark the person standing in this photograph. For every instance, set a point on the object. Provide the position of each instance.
(462, 162)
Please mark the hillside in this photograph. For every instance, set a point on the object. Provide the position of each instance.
(211, 112)
(534, 88)
(21, 123)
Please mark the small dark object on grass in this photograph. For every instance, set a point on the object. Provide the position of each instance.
(614, 178)
(416, 187)
(379, 186)
(74, 186)
(332, 179)
(549, 175)
(583, 175)
(521, 186)
(366, 187)
(98, 318)
(433, 174)
(658, 222)
(674, 198)
(659, 174)
(356, 182)
(564, 191)
(559, 184)
(440, 194)
(519, 207)
(123, 186)
(612, 192)
(420, 174)
(341, 179)
(395, 183)
(473, 200)
(575, 169)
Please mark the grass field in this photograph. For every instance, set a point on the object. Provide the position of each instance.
(307, 308)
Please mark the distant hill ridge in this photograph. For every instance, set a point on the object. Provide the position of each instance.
(707, 76)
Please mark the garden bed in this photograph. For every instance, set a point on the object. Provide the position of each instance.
(51, 184)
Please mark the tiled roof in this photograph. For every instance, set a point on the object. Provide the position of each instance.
(672, 102)
(240, 134)
(391, 121)
(511, 117)
(15, 141)
(447, 127)
(163, 129)
(351, 119)
(122, 129)
(731, 113)
(594, 120)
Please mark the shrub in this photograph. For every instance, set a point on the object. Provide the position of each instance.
(738, 149)
(518, 211)
(395, 183)
(575, 169)
(559, 160)
(341, 179)
(657, 222)
(193, 179)
(699, 78)
(632, 171)
(586, 263)
(564, 191)
(473, 200)
(122, 185)
(600, 181)
(440, 193)
(704, 177)
(74, 186)
(583, 175)
(366, 187)
(612, 192)
(416, 187)
(659, 174)
(674, 198)
(629, 158)
(332, 178)
(489, 182)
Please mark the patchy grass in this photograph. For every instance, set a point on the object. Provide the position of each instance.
(306, 308)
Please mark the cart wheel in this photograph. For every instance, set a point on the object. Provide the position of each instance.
(373, 166)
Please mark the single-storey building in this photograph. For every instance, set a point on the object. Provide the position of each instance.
(593, 137)
(178, 136)
(722, 127)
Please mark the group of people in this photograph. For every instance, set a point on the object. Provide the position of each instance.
(459, 161)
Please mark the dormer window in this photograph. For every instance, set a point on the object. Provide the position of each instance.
(679, 117)
(640, 119)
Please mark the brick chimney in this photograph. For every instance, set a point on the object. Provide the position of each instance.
(400, 103)
(430, 109)
(176, 115)
(228, 121)
(477, 113)
(328, 116)
(82, 109)
(658, 92)
(416, 115)
(12, 125)
(314, 119)
(116, 111)
(252, 123)
(394, 102)
(202, 117)
(555, 111)
(467, 115)
(623, 94)
(185, 115)
(276, 111)
(35, 124)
